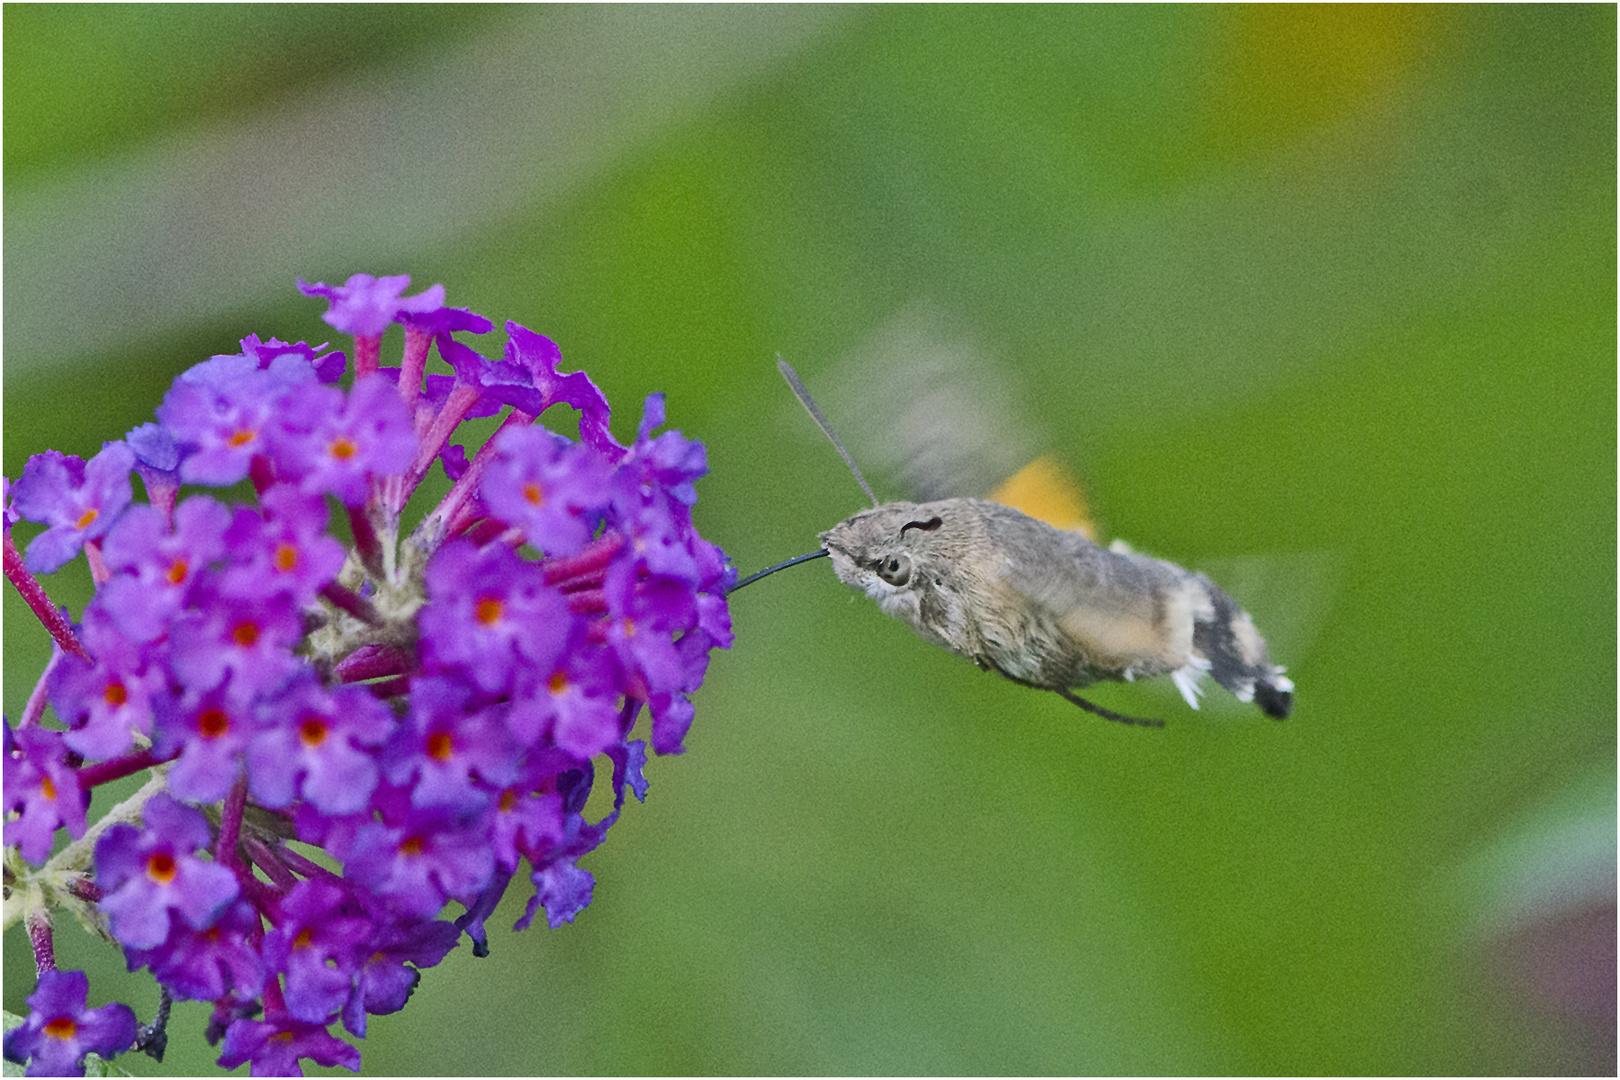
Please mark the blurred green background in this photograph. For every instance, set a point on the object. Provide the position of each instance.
(1328, 287)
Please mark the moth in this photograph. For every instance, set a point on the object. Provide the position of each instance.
(1042, 606)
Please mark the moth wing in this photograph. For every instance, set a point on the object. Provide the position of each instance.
(920, 401)
(1048, 492)
(1289, 594)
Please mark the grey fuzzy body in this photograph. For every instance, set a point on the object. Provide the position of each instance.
(1047, 607)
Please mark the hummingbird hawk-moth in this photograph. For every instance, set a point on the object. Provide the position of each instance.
(1043, 606)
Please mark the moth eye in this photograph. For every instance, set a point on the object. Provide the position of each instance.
(896, 569)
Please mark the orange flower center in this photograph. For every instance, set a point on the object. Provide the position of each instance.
(245, 634)
(62, 1027)
(47, 788)
(241, 437)
(534, 494)
(343, 448)
(86, 518)
(440, 746)
(179, 570)
(312, 730)
(115, 694)
(488, 610)
(286, 558)
(212, 723)
(161, 867)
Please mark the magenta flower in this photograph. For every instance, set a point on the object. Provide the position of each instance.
(60, 1030)
(274, 1047)
(43, 789)
(563, 889)
(77, 500)
(222, 413)
(364, 305)
(450, 753)
(334, 444)
(205, 733)
(157, 559)
(286, 548)
(106, 702)
(148, 873)
(242, 642)
(206, 964)
(551, 489)
(398, 949)
(429, 857)
(319, 745)
(492, 614)
(318, 948)
(575, 705)
(328, 366)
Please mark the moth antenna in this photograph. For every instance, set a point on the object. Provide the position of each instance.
(804, 397)
(820, 553)
(1107, 714)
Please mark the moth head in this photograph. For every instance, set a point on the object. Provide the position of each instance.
(884, 551)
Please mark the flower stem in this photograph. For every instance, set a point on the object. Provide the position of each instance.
(36, 701)
(38, 602)
(230, 827)
(105, 772)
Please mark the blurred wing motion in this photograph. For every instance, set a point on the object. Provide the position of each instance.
(919, 401)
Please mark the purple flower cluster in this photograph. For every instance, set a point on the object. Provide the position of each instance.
(428, 709)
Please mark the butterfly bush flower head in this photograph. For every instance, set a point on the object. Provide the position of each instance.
(429, 709)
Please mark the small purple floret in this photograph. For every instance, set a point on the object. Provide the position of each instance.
(78, 500)
(365, 305)
(283, 549)
(552, 489)
(108, 701)
(333, 444)
(275, 1047)
(204, 965)
(60, 1030)
(491, 614)
(564, 890)
(42, 789)
(147, 873)
(317, 948)
(318, 744)
(156, 568)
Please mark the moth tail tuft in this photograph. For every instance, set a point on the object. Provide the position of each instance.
(1274, 701)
